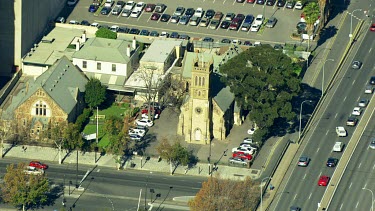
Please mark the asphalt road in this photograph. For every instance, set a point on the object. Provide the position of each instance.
(287, 20)
(109, 189)
(302, 189)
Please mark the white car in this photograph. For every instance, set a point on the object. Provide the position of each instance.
(129, 5)
(299, 5)
(144, 122)
(135, 14)
(109, 3)
(244, 150)
(74, 22)
(248, 141)
(369, 89)
(338, 147)
(97, 25)
(259, 20)
(254, 28)
(134, 131)
(363, 103)
(164, 34)
(251, 131)
(199, 12)
(114, 28)
(247, 147)
(357, 111)
(139, 6)
(71, 2)
(145, 116)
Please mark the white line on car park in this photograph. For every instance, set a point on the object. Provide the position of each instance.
(353, 82)
(304, 176)
(310, 195)
(357, 204)
(336, 115)
(373, 167)
(370, 50)
(317, 150)
(234, 2)
(359, 166)
(345, 98)
(350, 185)
(295, 196)
(327, 132)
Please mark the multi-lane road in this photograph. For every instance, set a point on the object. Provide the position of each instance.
(109, 189)
(348, 88)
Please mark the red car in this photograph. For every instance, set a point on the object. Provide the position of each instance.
(150, 7)
(38, 165)
(251, 1)
(323, 180)
(242, 155)
(372, 27)
(155, 16)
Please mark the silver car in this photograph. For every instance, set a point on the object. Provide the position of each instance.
(194, 21)
(303, 161)
(238, 161)
(184, 20)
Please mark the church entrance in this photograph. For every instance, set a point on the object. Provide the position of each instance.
(198, 134)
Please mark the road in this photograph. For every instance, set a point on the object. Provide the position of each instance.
(109, 189)
(287, 20)
(302, 189)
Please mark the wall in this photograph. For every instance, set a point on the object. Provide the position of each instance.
(106, 67)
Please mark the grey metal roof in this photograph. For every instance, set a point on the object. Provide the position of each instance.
(101, 49)
(160, 50)
(224, 98)
(62, 82)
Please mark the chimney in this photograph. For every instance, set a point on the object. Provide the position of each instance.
(77, 45)
(134, 44)
(128, 51)
(83, 39)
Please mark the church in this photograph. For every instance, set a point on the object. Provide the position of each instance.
(209, 110)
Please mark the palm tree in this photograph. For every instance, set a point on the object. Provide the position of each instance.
(312, 14)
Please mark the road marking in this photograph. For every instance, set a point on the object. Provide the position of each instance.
(350, 185)
(327, 132)
(310, 195)
(317, 150)
(365, 185)
(341, 205)
(337, 114)
(373, 167)
(357, 204)
(370, 50)
(359, 166)
(98, 170)
(295, 197)
(304, 176)
(353, 82)
(344, 98)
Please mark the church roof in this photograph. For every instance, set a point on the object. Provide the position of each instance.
(224, 98)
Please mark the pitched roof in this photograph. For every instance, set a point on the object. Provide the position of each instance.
(62, 82)
(224, 98)
(101, 49)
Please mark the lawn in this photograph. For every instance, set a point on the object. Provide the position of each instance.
(114, 110)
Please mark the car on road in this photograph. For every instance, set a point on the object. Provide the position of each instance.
(145, 32)
(189, 12)
(154, 34)
(174, 19)
(225, 24)
(150, 7)
(369, 89)
(214, 24)
(165, 18)
(114, 28)
(126, 13)
(372, 80)
(372, 144)
(356, 64)
(338, 147)
(135, 14)
(289, 4)
(204, 22)
(199, 12)
(303, 161)
(144, 122)
(341, 132)
(323, 180)
(363, 103)
(229, 16)
(357, 111)
(259, 19)
(372, 27)
(174, 35)
(299, 5)
(38, 164)
(160, 8)
(93, 8)
(194, 21)
(105, 10)
(352, 121)
(271, 22)
(129, 5)
(184, 20)
(208, 39)
(155, 16)
(238, 161)
(179, 11)
(294, 208)
(332, 162)
(210, 13)
(134, 31)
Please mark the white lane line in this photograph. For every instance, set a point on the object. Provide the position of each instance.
(341, 205)
(327, 132)
(310, 195)
(370, 50)
(357, 204)
(353, 82)
(295, 196)
(359, 166)
(98, 170)
(373, 167)
(358, 98)
(344, 98)
(304, 176)
(350, 185)
(317, 150)
(365, 185)
(336, 115)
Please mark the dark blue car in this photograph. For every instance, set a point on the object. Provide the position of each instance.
(249, 19)
(105, 11)
(93, 8)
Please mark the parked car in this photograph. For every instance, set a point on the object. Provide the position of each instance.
(280, 3)
(134, 31)
(248, 141)
(247, 145)
(214, 24)
(189, 12)
(250, 151)
(270, 2)
(225, 40)
(218, 16)
(174, 35)
(96, 25)
(363, 103)
(352, 121)
(299, 5)
(93, 8)
(184, 37)
(260, 2)
(150, 7)
(357, 111)
(165, 18)
(271, 22)
(204, 22)
(139, 6)
(199, 12)
(114, 28)
(229, 16)
(242, 155)
(71, 2)
(356, 64)
(123, 30)
(74, 22)
(38, 165)
(372, 27)
(238, 161)
(135, 137)
(225, 24)
(109, 3)
(332, 162)
(210, 14)
(259, 20)
(33, 171)
(251, 131)
(160, 8)
(155, 16)
(208, 39)
(129, 5)
(116, 10)
(126, 13)
(249, 19)
(144, 32)
(134, 131)
(179, 11)
(144, 122)
(135, 14)
(323, 180)
(289, 4)
(154, 34)
(194, 21)
(245, 27)
(174, 19)
(105, 10)
(164, 34)
(184, 20)
(303, 161)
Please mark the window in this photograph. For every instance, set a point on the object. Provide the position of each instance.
(84, 64)
(99, 66)
(203, 81)
(113, 67)
(196, 80)
(40, 109)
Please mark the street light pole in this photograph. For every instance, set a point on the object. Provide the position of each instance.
(324, 64)
(372, 198)
(300, 118)
(351, 24)
(261, 193)
(214, 168)
(148, 177)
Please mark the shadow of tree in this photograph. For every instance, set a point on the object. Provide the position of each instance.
(326, 34)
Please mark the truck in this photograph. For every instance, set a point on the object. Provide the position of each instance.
(338, 146)
(341, 132)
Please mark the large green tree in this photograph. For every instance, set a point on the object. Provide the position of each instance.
(95, 93)
(72, 137)
(106, 33)
(264, 83)
(22, 190)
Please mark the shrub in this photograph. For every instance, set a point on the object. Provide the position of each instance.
(83, 119)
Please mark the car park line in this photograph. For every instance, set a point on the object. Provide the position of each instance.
(359, 166)
(149, 18)
(353, 82)
(344, 98)
(317, 150)
(234, 2)
(357, 204)
(327, 132)
(310, 195)
(350, 185)
(295, 196)
(341, 205)
(304, 176)
(336, 115)
(140, 15)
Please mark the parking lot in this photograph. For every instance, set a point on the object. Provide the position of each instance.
(287, 20)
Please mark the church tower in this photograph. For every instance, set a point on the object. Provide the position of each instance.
(200, 102)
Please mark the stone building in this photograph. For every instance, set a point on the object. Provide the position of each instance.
(54, 96)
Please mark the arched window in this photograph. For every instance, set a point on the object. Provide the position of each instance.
(41, 109)
(203, 81)
(199, 93)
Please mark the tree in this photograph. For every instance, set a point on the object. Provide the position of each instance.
(263, 82)
(72, 137)
(95, 93)
(55, 133)
(117, 129)
(172, 91)
(106, 33)
(225, 194)
(312, 14)
(22, 190)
